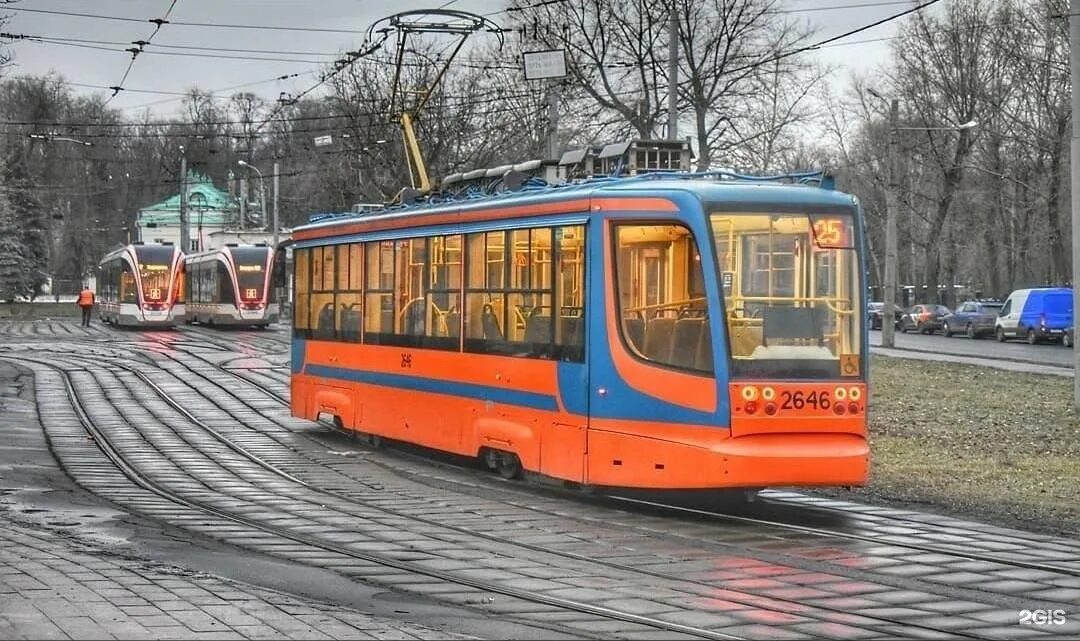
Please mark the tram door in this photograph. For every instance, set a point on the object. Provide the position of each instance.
(652, 365)
(563, 445)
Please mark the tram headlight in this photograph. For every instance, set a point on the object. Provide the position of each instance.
(749, 393)
(839, 393)
(854, 393)
(768, 393)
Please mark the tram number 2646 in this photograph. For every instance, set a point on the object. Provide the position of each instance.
(798, 400)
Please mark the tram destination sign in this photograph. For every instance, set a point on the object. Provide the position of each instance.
(544, 64)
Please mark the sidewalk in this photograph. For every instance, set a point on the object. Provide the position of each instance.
(1010, 365)
(56, 588)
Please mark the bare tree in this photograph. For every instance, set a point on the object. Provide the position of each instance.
(730, 51)
(1038, 55)
(943, 66)
(615, 52)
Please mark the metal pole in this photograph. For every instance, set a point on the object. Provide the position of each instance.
(277, 174)
(185, 228)
(243, 200)
(262, 198)
(553, 96)
(673, 74)
(1074, 65)
(888, 297)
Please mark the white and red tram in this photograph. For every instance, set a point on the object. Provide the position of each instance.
(231, 286)
(141, 285)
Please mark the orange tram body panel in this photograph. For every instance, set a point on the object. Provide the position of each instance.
(666, 333)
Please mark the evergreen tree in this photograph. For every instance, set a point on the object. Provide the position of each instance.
(24, 250)
(14, 271)
(35, 231)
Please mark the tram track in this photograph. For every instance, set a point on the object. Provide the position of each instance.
(133, 471)
(672, 508)
(681, 509)
(802, 529)
(750, 600)
(441, 482)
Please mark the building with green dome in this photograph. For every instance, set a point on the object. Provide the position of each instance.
(210, 210)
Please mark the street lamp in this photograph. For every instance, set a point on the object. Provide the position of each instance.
(888, 312)
(262, 195)
(198, 200)
(967, 125)
(51, 137)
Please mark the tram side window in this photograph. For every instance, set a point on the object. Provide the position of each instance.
(442, 303)
(484, 313)
(379, 292)
(349, 299)
(410, 284)
(181, 285)
(129, 293)
(302, 293)
(225, 293)
(570, 292)
(525, 293)
(322, 313)
(206, 283)
(662, 306)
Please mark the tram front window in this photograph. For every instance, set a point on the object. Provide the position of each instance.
(155, 264)
(250, 271)
(791, 292)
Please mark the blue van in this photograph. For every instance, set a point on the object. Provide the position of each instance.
(1035, 314)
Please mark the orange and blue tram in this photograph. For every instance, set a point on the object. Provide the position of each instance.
(679, 331)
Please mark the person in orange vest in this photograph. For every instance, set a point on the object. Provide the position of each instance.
(86, 302)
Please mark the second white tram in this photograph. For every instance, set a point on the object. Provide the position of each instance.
(231, 286)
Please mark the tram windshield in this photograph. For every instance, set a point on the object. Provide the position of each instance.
(250, 271)
(792, 292)
(155, 271)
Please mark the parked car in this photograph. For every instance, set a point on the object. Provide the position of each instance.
(974, 318)
(1035, 314)
(875, 312)
(925, 319)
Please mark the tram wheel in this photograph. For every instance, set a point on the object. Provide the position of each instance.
(508, 465)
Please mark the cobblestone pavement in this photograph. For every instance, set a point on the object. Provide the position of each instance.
(201, 428)
(56, 588)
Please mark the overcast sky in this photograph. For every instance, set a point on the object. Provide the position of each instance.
(89, 65)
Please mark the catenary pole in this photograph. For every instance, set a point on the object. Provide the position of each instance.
(277, 175)
(673, 74)
(1074, 65)
(185, 226)
(888, 296)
